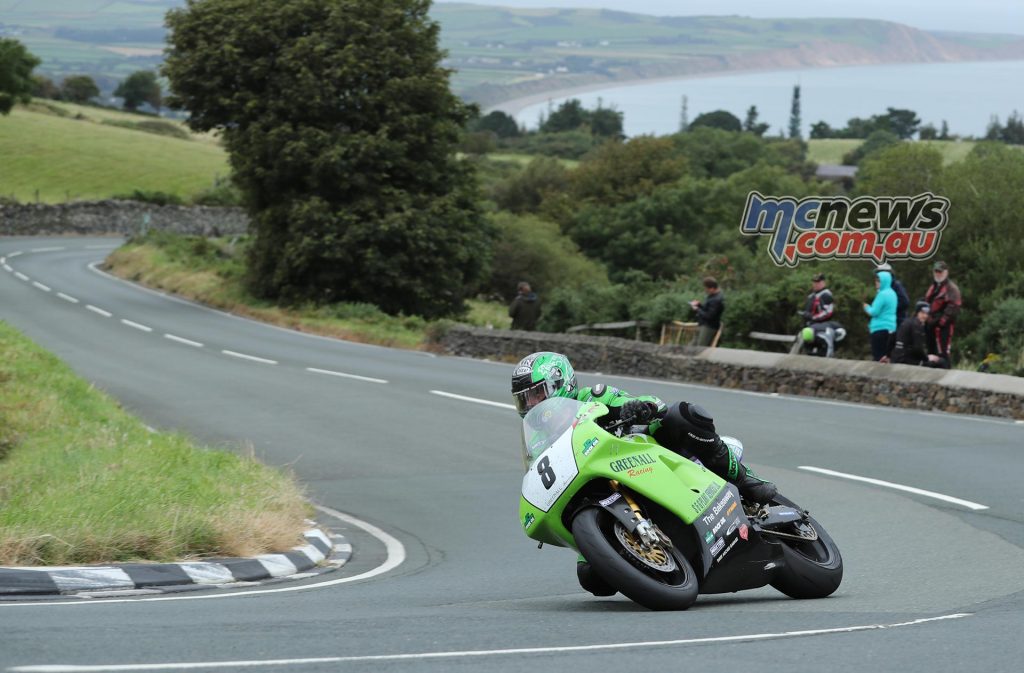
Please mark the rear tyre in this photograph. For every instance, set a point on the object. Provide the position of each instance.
(813, 569)
(658, 579)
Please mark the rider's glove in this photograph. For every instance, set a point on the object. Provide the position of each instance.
(638, 411)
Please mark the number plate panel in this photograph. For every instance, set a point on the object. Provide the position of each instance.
(551, 474)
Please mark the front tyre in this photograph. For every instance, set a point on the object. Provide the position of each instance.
(813, 569)
(658, 579)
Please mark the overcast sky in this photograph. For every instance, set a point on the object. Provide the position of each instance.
(992, 16)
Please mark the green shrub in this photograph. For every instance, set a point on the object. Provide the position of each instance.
(222, 192)
(156, 127)
(150, 196)
(532, 249)
(1001, 334)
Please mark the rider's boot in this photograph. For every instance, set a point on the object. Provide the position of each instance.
(590, 580)
(721, 461)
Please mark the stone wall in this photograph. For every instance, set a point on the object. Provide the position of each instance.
(852, 380)
(118, 217)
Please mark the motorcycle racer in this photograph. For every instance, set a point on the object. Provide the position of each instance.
(687, 429)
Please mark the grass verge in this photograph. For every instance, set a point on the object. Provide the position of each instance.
(211, 271)
(83, 481)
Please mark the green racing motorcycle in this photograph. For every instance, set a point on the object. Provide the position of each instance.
(656, 526)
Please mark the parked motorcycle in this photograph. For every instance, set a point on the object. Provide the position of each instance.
(656, 526)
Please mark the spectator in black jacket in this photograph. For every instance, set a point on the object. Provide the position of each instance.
(525, 308)
(912, 342)
(820, 305)
(709, 312)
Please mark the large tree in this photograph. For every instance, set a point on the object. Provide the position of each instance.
(140, 87)
(341, 129)
(16, 83)
(79, 89)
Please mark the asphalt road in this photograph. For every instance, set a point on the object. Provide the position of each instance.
(468, 591)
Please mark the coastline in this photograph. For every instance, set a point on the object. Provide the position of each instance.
(514, 106)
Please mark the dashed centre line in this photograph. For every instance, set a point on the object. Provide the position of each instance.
(20, 276)
(67, 297)
(182, 340)
(45, 249)
(96, 309)
(344, 375)
(136, 325)
(477, 400)
(252, 358)
(42, 287)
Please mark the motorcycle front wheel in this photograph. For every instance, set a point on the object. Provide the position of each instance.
(658, 577)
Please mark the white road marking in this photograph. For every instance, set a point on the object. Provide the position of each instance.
(105, 314)
(13, 254)
(393, 548)
(66, 297)
(253, 358)
(20, 276)
(42, 287)
(101, 247)
(137, 325)
(502, 405)
(898, 487)
(7, 268)
(342, 374)
(202, 307)
(45, 249)
(181, 340)
(462, 654)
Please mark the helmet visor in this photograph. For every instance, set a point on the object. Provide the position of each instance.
(530, 397)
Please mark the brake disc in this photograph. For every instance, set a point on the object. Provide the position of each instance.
(654, 556)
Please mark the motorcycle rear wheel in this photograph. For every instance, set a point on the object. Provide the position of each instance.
(813, 569)
(659, 579)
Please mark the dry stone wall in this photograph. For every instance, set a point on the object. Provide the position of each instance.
(855, 381)
(118, 217)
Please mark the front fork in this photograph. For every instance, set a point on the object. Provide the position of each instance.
(647, 531)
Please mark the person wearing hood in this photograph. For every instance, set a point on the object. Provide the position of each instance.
(883, 316)
(525, 309)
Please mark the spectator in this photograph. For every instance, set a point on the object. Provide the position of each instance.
(709, 312)
(525, 308)
(883, 316)
(820, 306)
(943, 297)
(912, 342)
(902, 298)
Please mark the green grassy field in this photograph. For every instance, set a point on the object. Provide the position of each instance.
(831, 150)
(83, 481)
(54, 159)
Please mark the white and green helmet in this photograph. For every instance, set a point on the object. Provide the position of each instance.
(540, 376)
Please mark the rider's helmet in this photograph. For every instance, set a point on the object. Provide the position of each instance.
(807, 334)
(540, 376)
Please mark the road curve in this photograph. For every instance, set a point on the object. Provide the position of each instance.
(366, 430)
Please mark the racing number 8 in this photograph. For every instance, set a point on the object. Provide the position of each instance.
(547, 475)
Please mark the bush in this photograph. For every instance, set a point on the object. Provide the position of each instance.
(524, 191)
(565, 145)
(878, 140)
(1001, 334)
(222, 193)
(150, 196)
(529, 248)
(773, 306)
(160, 128)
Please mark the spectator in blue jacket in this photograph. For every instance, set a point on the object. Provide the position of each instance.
(883, 316)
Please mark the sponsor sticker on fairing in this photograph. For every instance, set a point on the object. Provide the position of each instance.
(717, 547)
